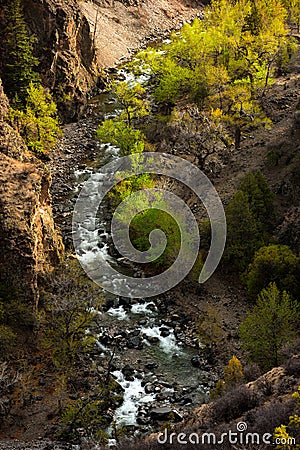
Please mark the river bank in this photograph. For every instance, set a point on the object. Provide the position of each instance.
(160, 364)
(187, 302)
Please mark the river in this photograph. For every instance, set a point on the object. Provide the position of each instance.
(153, 354)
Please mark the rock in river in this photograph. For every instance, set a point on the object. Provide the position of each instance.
(165, 413)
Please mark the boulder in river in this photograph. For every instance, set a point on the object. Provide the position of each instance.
(164, 331)
(198, 361)
(164, 413)
(128, 372)
(151, 365)
(135, 342)
(125, 302)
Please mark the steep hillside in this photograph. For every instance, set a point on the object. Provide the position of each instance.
(77, 40)
(30, 245)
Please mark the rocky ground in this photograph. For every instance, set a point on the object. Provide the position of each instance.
(223, 291)
(36, 445)
(119, 27)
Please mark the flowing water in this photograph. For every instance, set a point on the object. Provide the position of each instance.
(170, 379)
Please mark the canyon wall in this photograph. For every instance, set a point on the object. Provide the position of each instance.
(30, 246)
(78, 40)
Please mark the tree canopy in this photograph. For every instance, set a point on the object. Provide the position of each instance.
(20, 64)
(271, 324)
(274, 263)
(37, 122)
(223, 62)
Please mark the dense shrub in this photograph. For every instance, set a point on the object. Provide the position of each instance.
(251, 371)
(243, 233)
(292, 365)
(7, 341)
(15, 312)
(274, 263)
(210, 330)
(265, 418)
(70, 311)
(260, 198)
(15, 317)
(233, 404)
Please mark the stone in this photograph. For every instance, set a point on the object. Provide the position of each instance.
(128, 372)
(149, 388)
(142, 420)
(184, 401)
(196, 361)
(125, 301)
(164, 331)
(152, 339)
(135, 342)
(151, 365)
(165, 413)
(143, 322)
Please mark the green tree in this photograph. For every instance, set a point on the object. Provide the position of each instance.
(293, 7)
(131, 97)
(243, 233)
(224, 61)
(272, 323)
(273, 263)
(153, 218)
(38, 122)
(117, 132)
(19, 62)
(120, 131)
(260, 198)
(70, 310)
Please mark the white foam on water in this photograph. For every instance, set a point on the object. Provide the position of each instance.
(111, 149)
(91, 233)
(134, 395)
(142, 308)
(79, 172)
(101, 346)
(91, 252)
(132, 79)
(112, 115)
(119, 313)
(168, 344)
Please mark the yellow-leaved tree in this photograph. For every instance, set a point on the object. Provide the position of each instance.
(281, 434)
(37, 122)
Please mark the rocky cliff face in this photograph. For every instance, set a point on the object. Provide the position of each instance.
(29, 243)
(65, 49)
(77, 40)
(119, 27)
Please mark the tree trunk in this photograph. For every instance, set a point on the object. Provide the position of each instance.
(237, 137)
